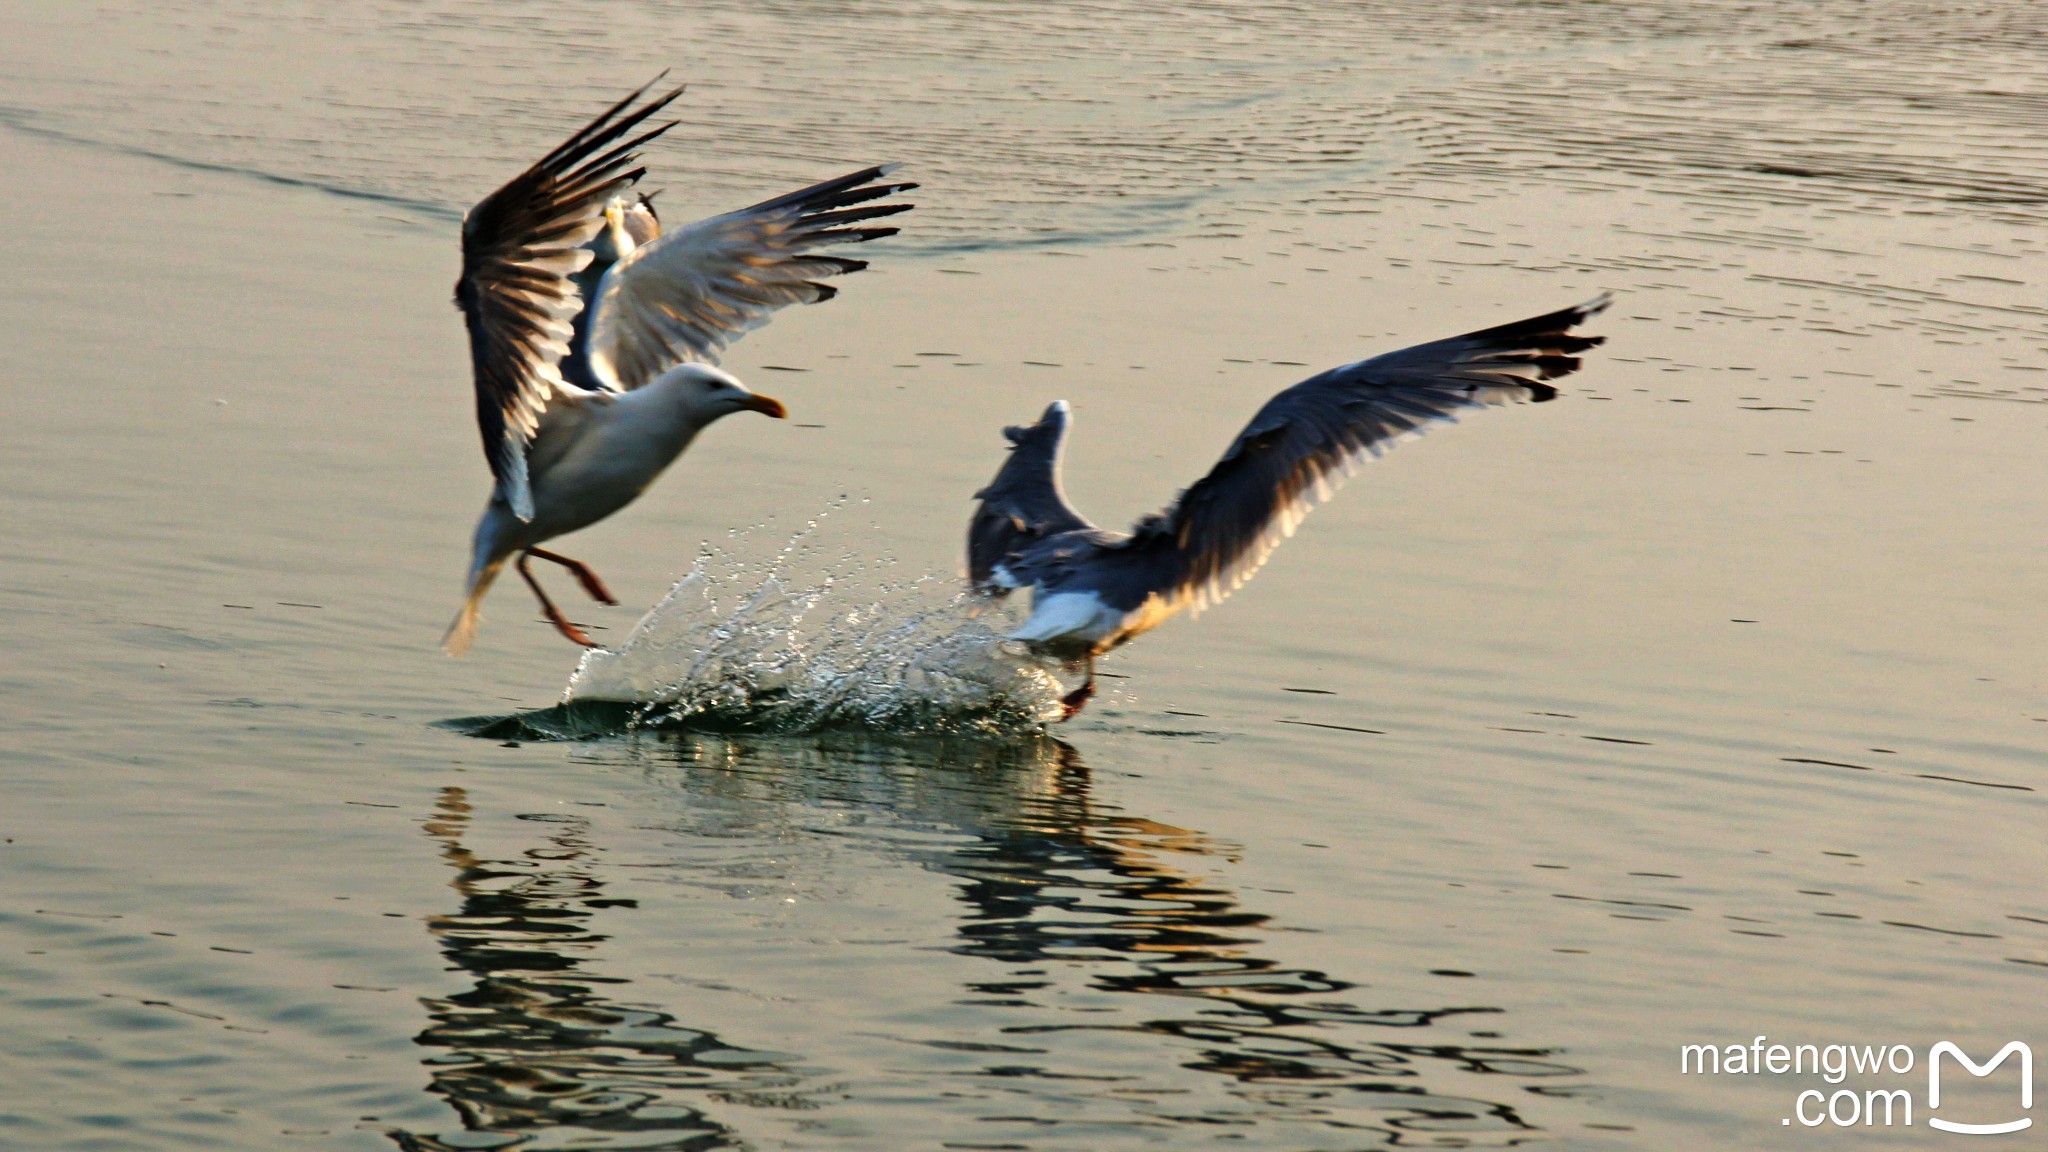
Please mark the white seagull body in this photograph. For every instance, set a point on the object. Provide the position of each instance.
(593, 332)
(1093, 590)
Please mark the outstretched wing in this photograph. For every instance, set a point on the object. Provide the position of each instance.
(1023, 504)
(520, 246)
(1309, 438)
(686, 295)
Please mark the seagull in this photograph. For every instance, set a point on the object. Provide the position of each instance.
(593, 333)
(1093, 590)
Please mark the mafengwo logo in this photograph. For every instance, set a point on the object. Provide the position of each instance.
(1891, 1103)
(1945, 1048)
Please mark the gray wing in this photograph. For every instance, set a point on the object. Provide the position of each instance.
(1309, 438)
(1023, 504)
(684, 295)
(520, 247)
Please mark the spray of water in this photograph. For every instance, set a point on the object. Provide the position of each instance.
(815, 638)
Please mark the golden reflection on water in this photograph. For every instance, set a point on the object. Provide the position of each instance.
(537, 1045)
(1052, 885)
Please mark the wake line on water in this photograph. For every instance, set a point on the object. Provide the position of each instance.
(24, 120)
(29, 122)
(1129, 219)
(807, 641)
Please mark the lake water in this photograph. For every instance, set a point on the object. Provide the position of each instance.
(1705, 703)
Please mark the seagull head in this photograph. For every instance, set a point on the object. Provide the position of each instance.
(616, 238)
(708, 394)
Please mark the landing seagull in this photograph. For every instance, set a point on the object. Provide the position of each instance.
(593, 333)
(1093, 590)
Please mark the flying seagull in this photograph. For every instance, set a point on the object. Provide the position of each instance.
(593, 333)
(1093, 589)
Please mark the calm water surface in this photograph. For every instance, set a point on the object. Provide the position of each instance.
(1704, 703)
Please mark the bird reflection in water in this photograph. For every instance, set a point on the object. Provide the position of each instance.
(1060, 888)
(1127, 983)
(1072, 882)
(534, 1052)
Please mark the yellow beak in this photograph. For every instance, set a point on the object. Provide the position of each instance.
(765, 405)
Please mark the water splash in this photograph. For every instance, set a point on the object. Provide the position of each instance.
(813, 639)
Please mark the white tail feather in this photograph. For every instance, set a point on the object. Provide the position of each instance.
(462, 631)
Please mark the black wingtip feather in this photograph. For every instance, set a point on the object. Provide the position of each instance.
(853, 235)
(838, 192)
(609, 126)
(1550, 332)
(851, 196)
(833, 219)
(1552, 367)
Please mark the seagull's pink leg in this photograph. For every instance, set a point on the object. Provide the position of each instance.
(1076, 700)
(582, 572)
(548, 608)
